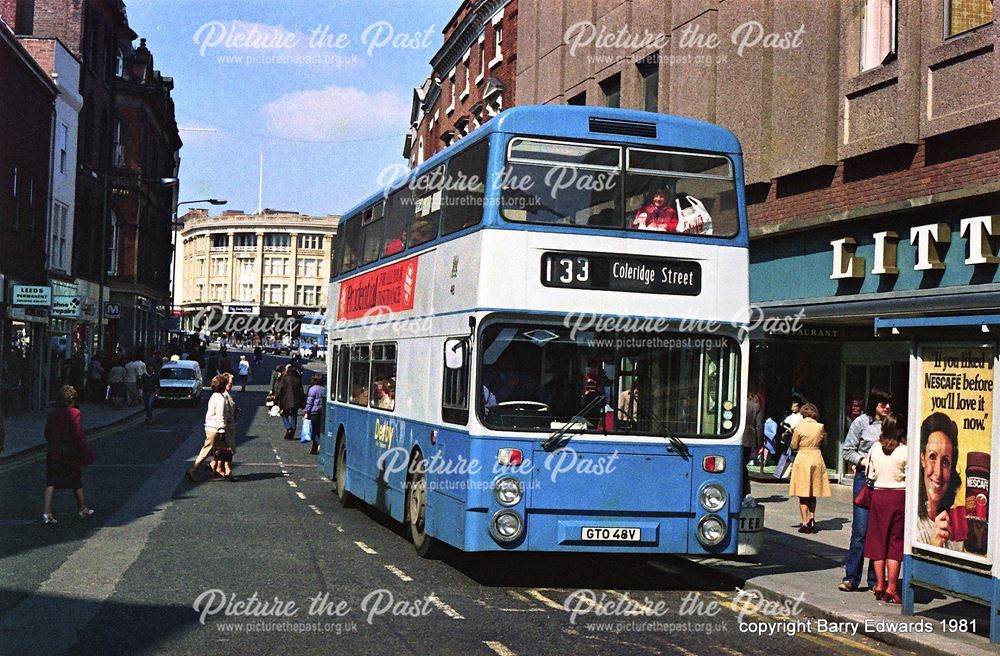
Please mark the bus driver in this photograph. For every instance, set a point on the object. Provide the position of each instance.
(658, 214)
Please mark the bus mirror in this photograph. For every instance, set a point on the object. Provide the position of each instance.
(454, 353)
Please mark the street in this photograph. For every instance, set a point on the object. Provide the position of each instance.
(272, 564)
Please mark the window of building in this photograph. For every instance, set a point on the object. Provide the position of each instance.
(119, 64)
(311, 242)
(307, 295)
(118, 153)
(276, 241)
(372, 226)
(308, 267)
(220, 266)
(383, 378)
(482, 58)
(245, 241)
(465, 196)
(578, 99)
(343, 374)
(964, 15)
(497, 39)
(397, 223)
(649, 71)
(112, 253)
(63, 146)
(465, 65)
(612, 89)
(202, 264)
(451, 86)
(455, 390)
(58, 255)
(220, 292)
(878, 33)
(275, 266)
(427, 206)
(220, 242)
(275, 294)
(360, 369)
(246, 292)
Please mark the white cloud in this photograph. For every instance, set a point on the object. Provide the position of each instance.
(336, 114)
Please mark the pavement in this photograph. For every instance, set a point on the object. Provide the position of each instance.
(807, 568)
(26, 432)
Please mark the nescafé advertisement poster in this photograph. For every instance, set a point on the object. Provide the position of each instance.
(953, 462)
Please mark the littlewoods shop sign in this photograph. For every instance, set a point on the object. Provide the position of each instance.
(930, 241)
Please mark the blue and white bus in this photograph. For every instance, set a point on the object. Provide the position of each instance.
(312, 336)
(535, 342)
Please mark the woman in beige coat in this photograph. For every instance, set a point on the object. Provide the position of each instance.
(809, 478)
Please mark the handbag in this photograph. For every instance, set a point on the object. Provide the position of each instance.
(270, 400)
(784, 464)
(275, 411)
(863, 499)
(71, 453)
(306, 434)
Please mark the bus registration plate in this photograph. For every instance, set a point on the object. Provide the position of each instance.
(610, 534)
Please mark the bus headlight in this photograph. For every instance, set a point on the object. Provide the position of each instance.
(711, 530)
(712, 497)
(506, 526)
(507, 491)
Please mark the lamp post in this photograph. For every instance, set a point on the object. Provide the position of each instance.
(175, 225)
(106, 181)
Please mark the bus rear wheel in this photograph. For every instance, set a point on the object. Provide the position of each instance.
(416, 510)
(345, 498)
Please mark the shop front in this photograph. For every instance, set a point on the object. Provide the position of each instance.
(826, 287)
(23, 385)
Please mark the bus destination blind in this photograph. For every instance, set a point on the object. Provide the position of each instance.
(621, 273)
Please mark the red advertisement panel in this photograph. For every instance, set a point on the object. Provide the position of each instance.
(385, 290)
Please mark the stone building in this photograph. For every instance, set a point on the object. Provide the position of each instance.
(871, 135)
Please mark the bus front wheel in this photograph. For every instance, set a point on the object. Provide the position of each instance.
(416, 509)
(345, 498)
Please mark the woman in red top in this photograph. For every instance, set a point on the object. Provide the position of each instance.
(68, 452)
(658, 214)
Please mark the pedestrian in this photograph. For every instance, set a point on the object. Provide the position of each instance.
(95, 379)
(884, 538)
(116, 383)
(223, 462)
(243, 370)
(68, 451)
(150, 386)
(212, 369)
(258, 354)
(809, 478)
(289, 397)
(752, 435)
(275, 377)
(215, 425)
(863, 433)
(134, 370)
(315, 400)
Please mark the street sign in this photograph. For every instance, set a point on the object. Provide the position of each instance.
(112, 310)
(32, 295)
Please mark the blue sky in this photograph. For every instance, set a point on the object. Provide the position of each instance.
(323, 92)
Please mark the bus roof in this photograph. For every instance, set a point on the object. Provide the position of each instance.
(586, 123)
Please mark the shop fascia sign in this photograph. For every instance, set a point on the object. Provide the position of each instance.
(33, 295)
(930, 241)
(74, 307)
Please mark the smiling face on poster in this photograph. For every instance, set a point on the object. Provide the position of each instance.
(955, 441)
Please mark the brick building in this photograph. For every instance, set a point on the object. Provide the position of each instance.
(472, 77)
(26, 110)
(871, 135)
(127, 142)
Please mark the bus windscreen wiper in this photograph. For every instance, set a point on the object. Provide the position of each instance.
(677, 442)
(553, 440)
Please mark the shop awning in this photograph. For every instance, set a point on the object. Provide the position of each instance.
(981, 323)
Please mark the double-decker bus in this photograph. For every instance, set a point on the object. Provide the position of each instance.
(534, 340)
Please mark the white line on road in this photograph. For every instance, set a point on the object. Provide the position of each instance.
(634, 606)
(398, 572)
(340, 529)
(545, 600)
(315, 509)
(364, 547)
(300, 495)
(445, 608)
(499, 648)
(293, 484)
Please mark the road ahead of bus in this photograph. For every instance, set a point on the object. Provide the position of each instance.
(271, 564)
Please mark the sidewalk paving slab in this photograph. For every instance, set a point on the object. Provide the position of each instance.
(26, 432)
(809, 567)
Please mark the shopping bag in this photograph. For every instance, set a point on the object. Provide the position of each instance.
(275, 411)
(784, 464)
(306, 434)
(693, 219)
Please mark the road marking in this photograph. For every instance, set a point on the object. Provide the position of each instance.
(545, 600)
(499, 648)
(445, 608)
(293, 484)
(398, 572)
(340, 530)
(634, 606)
(364, 547)
(518, 596)
(315, 509)
(300, 495)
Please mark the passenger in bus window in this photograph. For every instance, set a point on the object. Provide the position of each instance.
(383, 401)
(395, 244)
(359, 395)
(657, 214)
(628, 402)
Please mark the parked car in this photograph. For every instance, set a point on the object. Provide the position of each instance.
(181, 381)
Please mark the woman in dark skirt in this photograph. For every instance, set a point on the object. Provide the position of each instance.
(884, 538)
(68, 452)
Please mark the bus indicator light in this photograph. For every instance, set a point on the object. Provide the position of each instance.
(714, 464)
(510, 457)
